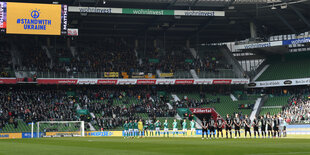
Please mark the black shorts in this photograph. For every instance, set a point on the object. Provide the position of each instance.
(219, 129)
(255, 128)
(237, 127)
(263, 128)
(204, 130)
(246, 128)
(228, 127)
(284, 128)
(269, 127)
(275, 128)
(212, 129)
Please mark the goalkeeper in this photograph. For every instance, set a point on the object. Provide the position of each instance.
(140, 127)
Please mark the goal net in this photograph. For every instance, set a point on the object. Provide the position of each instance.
(59, 129)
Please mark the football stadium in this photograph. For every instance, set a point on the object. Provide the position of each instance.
(222, 77)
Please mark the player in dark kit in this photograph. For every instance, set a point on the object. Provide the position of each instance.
(247, 125)
(255, 126)
(204, 126)
(228, 125)
(269, 125)
(263, 124)
(212, 127)
(219, 124)
(276, 123)
(237, 124)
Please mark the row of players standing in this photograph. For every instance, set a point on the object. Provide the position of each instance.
(138, 129)
(275, 126)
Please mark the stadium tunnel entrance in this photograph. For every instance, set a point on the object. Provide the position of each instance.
(206, 113)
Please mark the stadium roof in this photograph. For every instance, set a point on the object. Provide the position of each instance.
(271, 17)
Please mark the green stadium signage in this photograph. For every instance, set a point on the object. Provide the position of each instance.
(147, 12)
(156, 12)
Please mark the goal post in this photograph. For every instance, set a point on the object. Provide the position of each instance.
(59, 129)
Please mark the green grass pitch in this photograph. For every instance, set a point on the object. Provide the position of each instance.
(155, 146)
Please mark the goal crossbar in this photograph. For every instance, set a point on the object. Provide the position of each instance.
(58, 122)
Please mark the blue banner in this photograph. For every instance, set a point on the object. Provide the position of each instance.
(28, 134)
(296, 41)
(101, 134)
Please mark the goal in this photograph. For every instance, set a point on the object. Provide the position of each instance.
(58, 129)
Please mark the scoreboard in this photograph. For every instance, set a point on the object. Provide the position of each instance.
(34, 19)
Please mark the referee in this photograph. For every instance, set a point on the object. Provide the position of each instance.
(204, 128)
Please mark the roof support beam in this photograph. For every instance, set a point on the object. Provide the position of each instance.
(154, 19)
(302, 17)
(202, 27)
(285, 22)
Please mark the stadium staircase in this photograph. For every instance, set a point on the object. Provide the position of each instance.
(233, 97)
(194, 74)
(230, 59)
(260, 72)
(258, 103)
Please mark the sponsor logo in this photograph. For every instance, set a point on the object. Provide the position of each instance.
(87, 81)
(302, 81)
(221, 81)
(146, 81)
(259, 45)
(199, 13)
(184, 81)
(2, 14)
(252, 84)
(8, 81)
(240, 81)
(287, 82)
(4, 135)
(65, 17)
(107, 82)
(101, 134)
(203, 81)
(165, 81)
(201, 110)
(66, 81)
(272, 83)
(296, 41)
(95, 10)
(73, 32)
(127, 82)
(147, 11)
